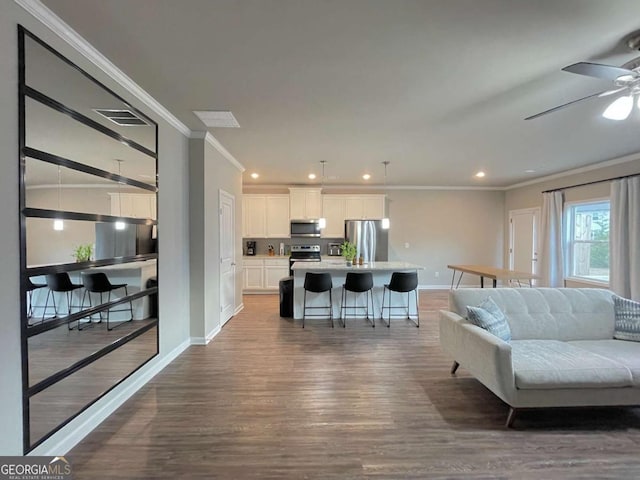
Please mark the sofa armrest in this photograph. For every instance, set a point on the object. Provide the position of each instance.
(485, 356)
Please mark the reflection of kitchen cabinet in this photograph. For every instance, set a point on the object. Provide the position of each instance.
(338, 208)
(135, 205)
(263, 275)
(333, 210)
(265, 216)
(305, 203)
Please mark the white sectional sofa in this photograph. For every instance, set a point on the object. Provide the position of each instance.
(562, 352)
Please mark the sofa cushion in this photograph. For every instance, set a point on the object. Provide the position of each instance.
(627, 319)
(488, 315)
(546, 313)
(625, 353)
(551, 364)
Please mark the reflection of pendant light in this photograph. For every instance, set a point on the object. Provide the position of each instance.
(385, 220)
(58, 224)
(120, 225)
(322, 222)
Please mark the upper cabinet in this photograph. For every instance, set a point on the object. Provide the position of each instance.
(133, 205)
(338, 208)
(265, 216)
(305, 203)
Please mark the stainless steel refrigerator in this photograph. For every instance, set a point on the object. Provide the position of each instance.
(371, 240)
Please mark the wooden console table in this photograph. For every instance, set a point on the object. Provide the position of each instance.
(490, 272)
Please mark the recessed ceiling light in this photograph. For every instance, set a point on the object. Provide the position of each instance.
(254, 175)
(218, 119)
(480, 174)
(312, 176)
(529, 171)
(366, 176)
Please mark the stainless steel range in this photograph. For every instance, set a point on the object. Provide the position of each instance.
(303, 253)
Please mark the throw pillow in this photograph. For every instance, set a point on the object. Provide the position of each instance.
(488, 315)
(627, 319)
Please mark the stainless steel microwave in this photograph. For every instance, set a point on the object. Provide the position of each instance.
(305, 228)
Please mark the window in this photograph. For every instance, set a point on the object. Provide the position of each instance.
(588, 241)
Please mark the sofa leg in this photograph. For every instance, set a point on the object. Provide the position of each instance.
(511, 417)
(454, 367)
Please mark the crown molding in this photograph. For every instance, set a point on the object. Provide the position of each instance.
(69, 35)
(213, 141)
(589, 168)
(375, 188)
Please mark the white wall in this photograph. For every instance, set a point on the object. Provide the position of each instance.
(210, 172)
(445, 227)
(173, 230)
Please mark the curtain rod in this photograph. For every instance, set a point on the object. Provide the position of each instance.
(592, 183)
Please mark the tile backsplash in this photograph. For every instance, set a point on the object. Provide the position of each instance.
(262, 244)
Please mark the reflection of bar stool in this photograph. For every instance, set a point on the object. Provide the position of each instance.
(357, 283)
(30, 287)
(60, 283)
(317, 283)
(401, 282)
(99, 283)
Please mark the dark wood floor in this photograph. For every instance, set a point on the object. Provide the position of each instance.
(267, 399)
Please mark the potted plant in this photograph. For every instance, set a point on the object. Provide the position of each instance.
(83, 252)
(348, 252)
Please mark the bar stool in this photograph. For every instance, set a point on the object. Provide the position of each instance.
(30, 287)
(60, 283)
(99, 283)
(402, 282)
(317, 283)
(357, 283)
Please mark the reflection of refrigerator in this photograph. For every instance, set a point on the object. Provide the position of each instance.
(370, 238)
(133, 240)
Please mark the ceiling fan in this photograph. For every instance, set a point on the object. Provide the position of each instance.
(626, 81)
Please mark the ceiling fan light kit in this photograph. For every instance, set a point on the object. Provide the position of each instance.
(620, 108)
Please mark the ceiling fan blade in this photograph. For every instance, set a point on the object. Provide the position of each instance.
(559, 107)
(608, 72)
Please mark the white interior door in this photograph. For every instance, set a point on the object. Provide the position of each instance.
(523, 239)
(227, 256)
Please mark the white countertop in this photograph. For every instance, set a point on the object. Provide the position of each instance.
(341, 265)
(265, 257)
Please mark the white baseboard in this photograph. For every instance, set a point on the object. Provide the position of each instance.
(67, 438)
(238, 309)
(207, 339)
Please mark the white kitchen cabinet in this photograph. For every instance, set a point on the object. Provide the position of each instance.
(134, 205)
(263, 275)
(274, 271)
(364, 207)
(254, 216)
(252, 274)
(277, 211)
(333, 210)
(305, 203)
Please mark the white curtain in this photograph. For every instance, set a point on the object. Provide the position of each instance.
(625, 237)
(551, 258)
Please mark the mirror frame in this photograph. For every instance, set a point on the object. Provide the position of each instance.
(27, 331)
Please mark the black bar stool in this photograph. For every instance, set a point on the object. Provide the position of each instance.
(357, 283)
(60, 283)
(402, 282)
(30, 286)
(317, 283)
(99, 283)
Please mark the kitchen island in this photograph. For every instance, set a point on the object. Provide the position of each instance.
(381, 275)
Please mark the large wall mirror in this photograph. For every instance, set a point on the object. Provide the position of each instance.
(88, 237)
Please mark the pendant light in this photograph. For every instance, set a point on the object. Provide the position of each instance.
(58, 224)
(385, 220)
(120, 225)
(322, 221)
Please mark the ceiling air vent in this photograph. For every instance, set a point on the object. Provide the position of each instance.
(220, 119)
(124, 118)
